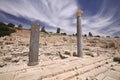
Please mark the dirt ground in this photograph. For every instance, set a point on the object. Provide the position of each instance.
(57, 58)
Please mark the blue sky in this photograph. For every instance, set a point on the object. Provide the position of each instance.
(101, 17)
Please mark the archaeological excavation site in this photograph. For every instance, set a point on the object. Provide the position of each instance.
(34, 55)
(59, 40)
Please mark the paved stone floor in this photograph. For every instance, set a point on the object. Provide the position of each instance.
(73, 68)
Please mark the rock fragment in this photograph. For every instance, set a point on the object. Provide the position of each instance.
(2, 64)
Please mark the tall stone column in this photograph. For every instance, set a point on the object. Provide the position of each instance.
(79, 34)
(34, 45)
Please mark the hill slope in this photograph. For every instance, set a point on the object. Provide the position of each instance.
(57, 58)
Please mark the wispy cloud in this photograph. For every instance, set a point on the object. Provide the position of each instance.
(61, 13)
(105, 21)
(7, 19)
(56, 13)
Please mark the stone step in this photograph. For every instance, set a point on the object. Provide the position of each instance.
(108, 78)
(76, 71)
(20, 67)
(113, 74)
(7, 76)
(92, 73)
(116, 68)
(54, 68)
(103, 75)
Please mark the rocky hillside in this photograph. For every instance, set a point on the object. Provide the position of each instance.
(57, 58)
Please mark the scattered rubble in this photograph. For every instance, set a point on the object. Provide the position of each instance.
(14, 51)
(2, 64)
(7, 58)
(116, 59)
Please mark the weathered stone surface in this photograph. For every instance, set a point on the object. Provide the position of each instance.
(116, 68)
(79, 35)
(51, 64)
(1, 43)
(108, 78)
(34, 45)
(9, 42)
(15, 60)
(116, 59)
(7, 76)
(62, 56)
(92, 54)
(7, 58)
(2, 64)
(113, 74)
(69, 69)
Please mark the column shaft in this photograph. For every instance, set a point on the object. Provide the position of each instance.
(79, 37)
(34, 45)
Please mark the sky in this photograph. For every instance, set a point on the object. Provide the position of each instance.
(101, 17)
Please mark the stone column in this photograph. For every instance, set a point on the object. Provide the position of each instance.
(34, 45)
(79, 34)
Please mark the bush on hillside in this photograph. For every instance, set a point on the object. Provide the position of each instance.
(116, 37)
(5, 30)
(11, 25)
(97, 36)
(20, 27)
(63, 34)
(2, 24)
(108, 36)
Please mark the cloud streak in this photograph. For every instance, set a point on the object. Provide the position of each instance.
(56, 13)
(105, 21)
(62, 13)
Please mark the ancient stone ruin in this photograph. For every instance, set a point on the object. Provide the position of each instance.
(79, 34)
(101, 56)
(34, 45)
(34, 41)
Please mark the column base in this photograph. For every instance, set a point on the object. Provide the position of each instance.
(79, 55)
(32, 63)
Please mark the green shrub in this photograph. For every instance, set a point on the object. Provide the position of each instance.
(2, 24)
(116, 37)
(20, 27)
(5, 30)
(11, 25)
(63, 34)
(108, 36)
(97, 36)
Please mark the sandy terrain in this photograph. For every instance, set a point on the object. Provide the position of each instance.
(57, 58)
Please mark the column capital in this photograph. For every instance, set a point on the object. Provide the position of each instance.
(79, 13)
